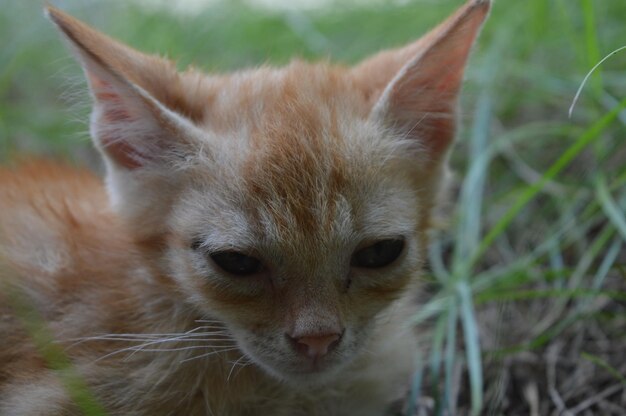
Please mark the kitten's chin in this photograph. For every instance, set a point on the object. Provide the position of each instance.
(306, 378)
(306, 374)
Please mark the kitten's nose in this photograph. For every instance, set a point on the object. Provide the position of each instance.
(317, 345)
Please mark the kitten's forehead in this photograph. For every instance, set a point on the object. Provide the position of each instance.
(298, 96)
(309, 154)
(327, 186)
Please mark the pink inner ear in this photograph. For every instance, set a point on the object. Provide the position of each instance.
(425, 111)
(117, 118)
(116, 115)
(422, 99)
(123, 153)
(449, 77)
(442, 134)
(98, 84)
(114, 107)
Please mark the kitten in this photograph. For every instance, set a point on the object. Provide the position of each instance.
(255, 248)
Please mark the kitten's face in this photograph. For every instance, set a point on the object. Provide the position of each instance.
(291, 204)
(325, 208)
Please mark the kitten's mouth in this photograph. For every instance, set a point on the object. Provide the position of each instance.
(313, 370)
(305, 370)
(317, 365)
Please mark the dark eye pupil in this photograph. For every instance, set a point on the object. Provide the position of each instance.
(236, 263)
(379, 254)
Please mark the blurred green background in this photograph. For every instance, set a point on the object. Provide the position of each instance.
(533, 262)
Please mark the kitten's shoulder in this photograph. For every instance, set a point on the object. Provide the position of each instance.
(47, 188)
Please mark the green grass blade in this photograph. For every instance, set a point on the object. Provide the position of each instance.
(564, 160)
(432, 308)
(472, 347)
(603, 364)
(416, 386)
(612, 211)
(439, 337)
(449, 398)
(471, 198)
(607, 263)
(591, 44)
(539, 13)
(436, 262)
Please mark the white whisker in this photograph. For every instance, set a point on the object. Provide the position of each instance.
(199, 337)
(183, 337)
(241, 365)
(217, 341)
(208, 354)
(193, 347)
(135, 349)
(191, 331)
(163, 337)
(209, 321)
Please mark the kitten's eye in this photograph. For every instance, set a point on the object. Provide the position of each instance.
(236, 263)
(379, 254)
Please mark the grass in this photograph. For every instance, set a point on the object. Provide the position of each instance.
(528, 313)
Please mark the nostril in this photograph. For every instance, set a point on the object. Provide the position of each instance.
(318, 345)
(315, 345)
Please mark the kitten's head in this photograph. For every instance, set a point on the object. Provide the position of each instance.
(290, 203)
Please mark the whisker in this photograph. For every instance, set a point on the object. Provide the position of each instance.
(185, 336)
(208, 354)
(193, 347)
(213, 336)
(191, 331)
(233, 367)
(241, 365)
(136, 349)
(199, 336)
(147, 337)
(209, 321)
(207, 336)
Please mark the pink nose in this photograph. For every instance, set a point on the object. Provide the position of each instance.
(316, 345)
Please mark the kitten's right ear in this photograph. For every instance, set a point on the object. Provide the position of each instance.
(414, 90)
(140, 110)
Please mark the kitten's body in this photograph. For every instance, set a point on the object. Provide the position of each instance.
(297, 166)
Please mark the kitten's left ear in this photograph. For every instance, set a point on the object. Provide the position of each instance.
(140, 105)
(420, 83)
(143, 121)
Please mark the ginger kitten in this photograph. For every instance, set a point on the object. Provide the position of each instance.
(255, 247)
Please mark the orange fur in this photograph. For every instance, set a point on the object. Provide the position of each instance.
(300, 168)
